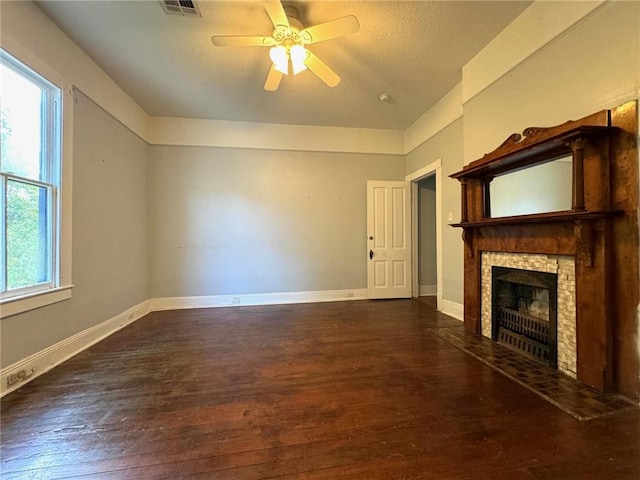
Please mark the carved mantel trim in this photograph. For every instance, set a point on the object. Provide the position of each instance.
(537, 141)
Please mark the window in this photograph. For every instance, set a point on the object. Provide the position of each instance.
(30, 179)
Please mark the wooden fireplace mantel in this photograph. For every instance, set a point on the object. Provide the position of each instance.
(564, 216)
(600, 231)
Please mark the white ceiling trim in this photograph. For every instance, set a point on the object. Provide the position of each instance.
(270, 136)
(534, 28)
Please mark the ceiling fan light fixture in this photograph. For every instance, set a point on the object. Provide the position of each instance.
(298, 55)
(280, 59)
(288, 42)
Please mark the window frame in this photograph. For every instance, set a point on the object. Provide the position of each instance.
(57, 130)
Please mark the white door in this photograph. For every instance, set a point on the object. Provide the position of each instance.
(388, 239)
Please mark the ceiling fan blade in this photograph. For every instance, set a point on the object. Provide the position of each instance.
(332, 29)
(242, 41)
(276, 12)
(321, 69)
(273, 80)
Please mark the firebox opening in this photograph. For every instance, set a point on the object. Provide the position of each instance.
(524, 312)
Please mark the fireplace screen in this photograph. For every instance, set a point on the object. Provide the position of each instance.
(524, 312)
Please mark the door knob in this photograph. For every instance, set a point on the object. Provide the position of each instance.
(371, 254)
(370, 237)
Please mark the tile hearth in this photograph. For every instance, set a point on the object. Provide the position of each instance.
(571, 396)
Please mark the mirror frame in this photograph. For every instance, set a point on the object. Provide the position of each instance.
(536, 146)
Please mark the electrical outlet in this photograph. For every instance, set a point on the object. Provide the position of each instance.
(13, 378)
(235, 300)
(19, 376)
(349, 294)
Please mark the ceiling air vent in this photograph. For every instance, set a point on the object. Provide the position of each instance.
(180, 7)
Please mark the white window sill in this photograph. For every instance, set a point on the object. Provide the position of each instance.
(24, 303)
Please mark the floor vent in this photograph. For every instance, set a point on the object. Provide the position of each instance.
(180, 7)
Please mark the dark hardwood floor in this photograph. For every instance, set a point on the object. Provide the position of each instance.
(350, 390)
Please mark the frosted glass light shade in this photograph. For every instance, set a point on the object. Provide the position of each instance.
(280, 59)
(298, 55)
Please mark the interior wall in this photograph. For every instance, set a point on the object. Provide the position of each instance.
(594, 65)
(447, 146)
(110, 235)
(427, 271)
(229, 221)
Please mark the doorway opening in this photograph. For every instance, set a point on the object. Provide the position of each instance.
(426, 206)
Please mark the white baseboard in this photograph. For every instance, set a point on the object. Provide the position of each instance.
(428, 290)
(40, 362)
(178, 303)
(453, 309)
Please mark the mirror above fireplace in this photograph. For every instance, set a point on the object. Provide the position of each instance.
(532, 174)
(540, 188)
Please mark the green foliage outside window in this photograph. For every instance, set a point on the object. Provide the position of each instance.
(26, 235)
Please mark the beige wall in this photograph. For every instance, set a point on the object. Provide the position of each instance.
(110, 235)
(240, 221)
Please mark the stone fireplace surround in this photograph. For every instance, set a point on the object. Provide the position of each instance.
(564, 267)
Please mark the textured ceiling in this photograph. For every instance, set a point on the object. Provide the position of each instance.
(413, 50)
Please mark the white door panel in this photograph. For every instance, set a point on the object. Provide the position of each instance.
(389, 234)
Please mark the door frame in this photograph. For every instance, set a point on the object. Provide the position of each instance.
(414, 177)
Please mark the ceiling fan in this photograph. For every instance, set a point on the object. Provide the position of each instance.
(288, 42)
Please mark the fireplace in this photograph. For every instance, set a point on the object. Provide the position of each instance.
(524, 312)
(556, 271)
(592, 249)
